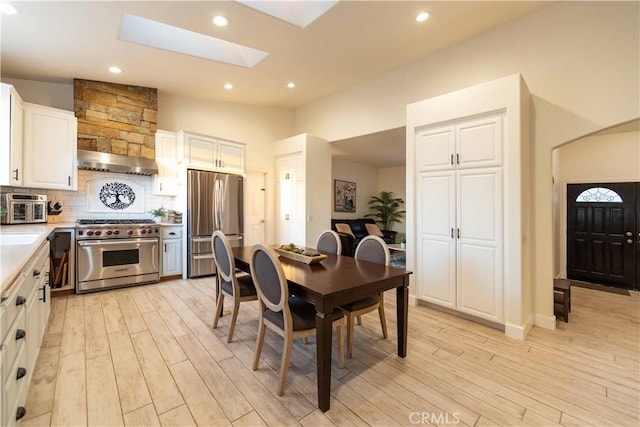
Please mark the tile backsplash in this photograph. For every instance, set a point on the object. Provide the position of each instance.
(75, 204)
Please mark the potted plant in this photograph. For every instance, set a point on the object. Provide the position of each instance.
(158, 213)
(386, 209)
(403, 242)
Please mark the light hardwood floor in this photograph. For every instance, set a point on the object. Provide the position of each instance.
(147, 356)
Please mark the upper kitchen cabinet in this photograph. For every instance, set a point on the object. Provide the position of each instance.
(11, 118)
(50, 146)
(209, 153)
(166, 181)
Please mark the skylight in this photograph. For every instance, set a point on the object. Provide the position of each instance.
(298, 13)
(146, 32)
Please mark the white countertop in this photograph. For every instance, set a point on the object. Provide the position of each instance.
(14, 257)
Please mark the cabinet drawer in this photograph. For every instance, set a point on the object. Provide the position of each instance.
(14, 390)
(16, 300)
(172, 233)
(14, 340)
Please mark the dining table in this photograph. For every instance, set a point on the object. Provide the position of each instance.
(338, 280)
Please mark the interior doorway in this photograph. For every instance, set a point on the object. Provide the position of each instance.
(603, 233)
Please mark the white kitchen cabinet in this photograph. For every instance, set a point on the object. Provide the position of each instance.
(460, 223)
(11, 121)
(23, 317)
(231, 156)
(171, 251)
(474, 143)
(50, 145)
(208, 153)
(166, 181)
(303, 189)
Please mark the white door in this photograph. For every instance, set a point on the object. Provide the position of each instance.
(255, 189)
(479, 243)
(436, 257)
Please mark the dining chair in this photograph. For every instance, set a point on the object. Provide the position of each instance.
(371, 249)
(239, 288)
(329, 241)
(289, 316)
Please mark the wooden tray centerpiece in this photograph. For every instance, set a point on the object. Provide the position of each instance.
(297, 253)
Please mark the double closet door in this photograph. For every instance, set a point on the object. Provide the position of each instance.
(460, 216)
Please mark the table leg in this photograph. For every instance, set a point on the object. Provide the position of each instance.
(323, 354)
(402, 307)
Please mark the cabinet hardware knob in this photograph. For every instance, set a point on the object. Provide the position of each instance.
(44, 294)
(36, 273)
(21, 373)
(452, 232)
(16, 174)
(20, 300)
(629, 241)
(69, 180)
(20, 333)
(628, 234)
(21, 412)
(451, 158)
(165, 248)
(458, 158)
(458, 233)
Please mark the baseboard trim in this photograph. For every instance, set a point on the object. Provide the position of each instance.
(413, 300)
(456, 313)
(546, 322)
(174, 277)
(518, 332)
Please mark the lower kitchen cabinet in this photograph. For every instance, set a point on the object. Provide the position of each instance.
(171, 251)
(23, 318)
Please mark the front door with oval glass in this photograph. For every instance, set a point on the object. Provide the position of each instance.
(603, 240)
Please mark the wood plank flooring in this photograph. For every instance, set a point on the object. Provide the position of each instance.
(147, 356)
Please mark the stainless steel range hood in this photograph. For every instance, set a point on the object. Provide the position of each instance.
(107, 162)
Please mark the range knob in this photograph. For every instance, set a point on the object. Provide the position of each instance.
(109, 232)
(149, 231)
(116, 232)
(129, 232)
(143, 231)
(89, 233)
(97, 233)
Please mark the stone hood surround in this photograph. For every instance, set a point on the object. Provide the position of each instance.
(116, 127)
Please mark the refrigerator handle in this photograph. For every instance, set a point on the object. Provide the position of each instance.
(215, 205)
(222, 204)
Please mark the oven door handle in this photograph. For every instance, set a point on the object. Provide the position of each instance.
(115, 242)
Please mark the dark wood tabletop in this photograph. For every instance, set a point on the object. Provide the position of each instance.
(335, 281)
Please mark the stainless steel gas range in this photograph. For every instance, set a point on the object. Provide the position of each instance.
(116, 253)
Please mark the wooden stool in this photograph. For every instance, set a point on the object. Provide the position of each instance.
(562, 296)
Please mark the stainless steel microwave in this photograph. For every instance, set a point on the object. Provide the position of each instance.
(24, 208)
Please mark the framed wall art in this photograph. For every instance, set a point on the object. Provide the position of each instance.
(344, 196)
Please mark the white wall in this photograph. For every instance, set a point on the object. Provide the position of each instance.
(395, 180)
(366, 179)
(581, 62)
(56, 95)
(612, 157)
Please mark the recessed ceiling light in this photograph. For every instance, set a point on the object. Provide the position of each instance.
(115, 70)
(422, 16)
(291, 85)
(220, 21)
(228, 86)
(7, 9)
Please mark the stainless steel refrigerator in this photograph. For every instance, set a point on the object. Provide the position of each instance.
(214, 202)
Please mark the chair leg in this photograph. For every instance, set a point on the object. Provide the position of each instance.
(359, 319)
(259, 341)
(234, 317)
(284, 365)
(350, 332)
(383, 319)
(341, 327)
(219, 306)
